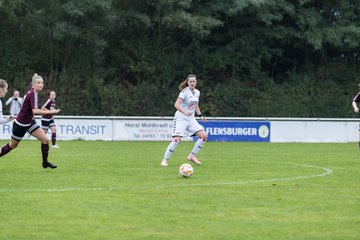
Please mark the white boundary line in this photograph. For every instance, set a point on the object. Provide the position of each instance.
(327, 171)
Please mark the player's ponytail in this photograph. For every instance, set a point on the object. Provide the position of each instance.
(184, 84)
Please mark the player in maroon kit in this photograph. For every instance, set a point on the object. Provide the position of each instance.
(25, 122)
(47, 120)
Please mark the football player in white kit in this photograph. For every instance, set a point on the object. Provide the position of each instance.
(184, 120)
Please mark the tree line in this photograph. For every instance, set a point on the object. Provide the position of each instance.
(252, 58)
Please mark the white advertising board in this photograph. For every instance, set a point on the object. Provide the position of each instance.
(144, 130)
(84, 129)
(160, 129)
(71, 129)
(106, 129)
(314, 131)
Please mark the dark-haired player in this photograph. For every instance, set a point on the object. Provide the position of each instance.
(184, 120)
(47, 120)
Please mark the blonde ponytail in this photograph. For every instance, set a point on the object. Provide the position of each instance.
(36, 76)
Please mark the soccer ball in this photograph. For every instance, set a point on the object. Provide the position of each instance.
(186, 170)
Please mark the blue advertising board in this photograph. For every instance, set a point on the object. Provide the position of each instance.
(237, 131)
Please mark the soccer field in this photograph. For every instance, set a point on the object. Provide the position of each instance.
(118, 190)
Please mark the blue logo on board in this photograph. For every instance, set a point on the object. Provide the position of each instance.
(238, 131)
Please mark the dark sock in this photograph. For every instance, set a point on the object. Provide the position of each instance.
(5, 150)
(45, 152)
(53, 138)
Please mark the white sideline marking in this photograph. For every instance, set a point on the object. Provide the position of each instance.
(327, 171)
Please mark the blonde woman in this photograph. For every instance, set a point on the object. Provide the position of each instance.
(25, 122)
(187, 105)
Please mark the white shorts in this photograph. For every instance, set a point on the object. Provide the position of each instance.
(182, 127)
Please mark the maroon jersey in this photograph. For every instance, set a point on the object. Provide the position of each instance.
(49, 104)
(30, 102)
(357, 98)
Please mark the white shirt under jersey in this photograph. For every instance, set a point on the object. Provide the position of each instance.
(190, 101)
(2, 119)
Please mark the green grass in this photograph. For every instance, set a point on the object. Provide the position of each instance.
(117, 190)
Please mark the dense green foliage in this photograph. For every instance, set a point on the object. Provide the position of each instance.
(253, 58)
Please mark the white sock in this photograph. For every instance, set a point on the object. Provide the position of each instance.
(198, 146)
(170, 149)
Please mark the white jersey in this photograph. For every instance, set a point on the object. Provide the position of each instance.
(190, 101)
(2, 119)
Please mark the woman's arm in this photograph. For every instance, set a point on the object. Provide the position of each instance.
(37, 111)
(5, 120)
(198, 111)
(179, 108)
(354, 105)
